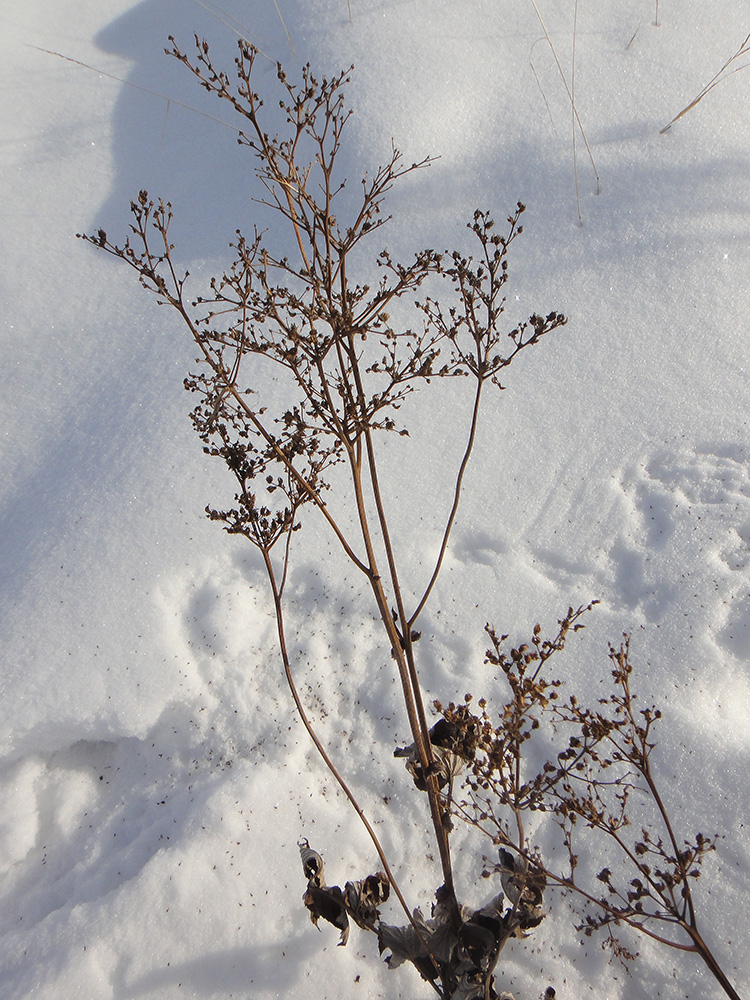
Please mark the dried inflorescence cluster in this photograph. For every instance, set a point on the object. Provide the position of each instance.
(601, 762)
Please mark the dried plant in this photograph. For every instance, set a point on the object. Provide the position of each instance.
(348, 369)
(601, 784)
(328, 337)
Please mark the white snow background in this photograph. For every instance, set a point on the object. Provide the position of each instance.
(153, 778)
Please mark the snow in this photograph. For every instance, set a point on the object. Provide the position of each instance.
(153, 778)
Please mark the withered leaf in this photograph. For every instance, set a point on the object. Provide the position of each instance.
(312, 864)
(328, 902)
(363, 898)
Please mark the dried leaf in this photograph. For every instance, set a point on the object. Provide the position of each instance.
(328, 902)
(363, 898)
(451, 749)
(312, 863)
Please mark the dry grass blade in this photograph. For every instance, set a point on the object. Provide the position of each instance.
(135, 86)
(539, 84)
(722, 75)
(574, 113)
(571, 98)
(632, 39)
(283, 25)
(229, 22)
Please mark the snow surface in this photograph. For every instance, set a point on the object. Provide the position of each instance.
(153, 779)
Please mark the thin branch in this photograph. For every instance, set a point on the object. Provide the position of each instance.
(454, 508)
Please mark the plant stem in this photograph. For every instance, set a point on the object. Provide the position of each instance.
(281, 633)
(716, 970)
(410, 680)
